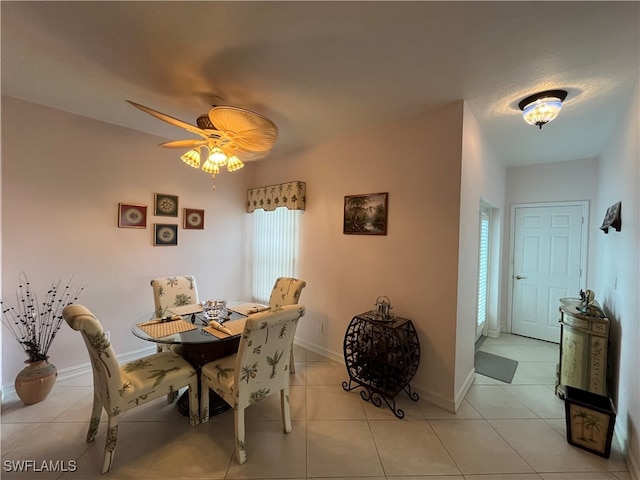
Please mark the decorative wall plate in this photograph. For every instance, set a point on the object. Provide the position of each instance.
(166, 205)
(165, 234)
(131, 215)
(193, 219)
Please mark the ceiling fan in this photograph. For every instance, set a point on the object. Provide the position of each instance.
(228, 134)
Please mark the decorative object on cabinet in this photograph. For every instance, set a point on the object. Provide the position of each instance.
(166, 205)
(612, 218)
(193, 219)
(165, 234)
(366, 214)
(590, 419)
(584, 345)
(132, 215)
(381, 358)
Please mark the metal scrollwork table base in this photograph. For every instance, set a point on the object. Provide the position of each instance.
(381, 356)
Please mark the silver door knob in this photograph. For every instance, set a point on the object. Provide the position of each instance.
(520, 277)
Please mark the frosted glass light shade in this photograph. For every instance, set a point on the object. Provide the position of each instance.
(543, 107)
(192, 158)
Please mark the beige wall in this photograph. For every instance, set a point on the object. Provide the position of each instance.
(62, 178)
(415, 265)
(617, 276)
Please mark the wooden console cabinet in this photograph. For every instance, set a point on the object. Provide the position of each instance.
(584, 349)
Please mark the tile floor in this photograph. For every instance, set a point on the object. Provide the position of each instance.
(502, 432)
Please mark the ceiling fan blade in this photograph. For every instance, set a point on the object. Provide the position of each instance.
(183, 143)
(173, 121)
(250, 131)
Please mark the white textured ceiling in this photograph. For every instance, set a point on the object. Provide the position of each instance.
(323, 69)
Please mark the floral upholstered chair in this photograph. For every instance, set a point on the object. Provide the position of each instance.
(259, 369)
(287, 291)
(119, 388)
(173, 292)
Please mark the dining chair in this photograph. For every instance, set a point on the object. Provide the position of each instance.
(173, 292)
(118, 388)
(256, 370)
(287, 291)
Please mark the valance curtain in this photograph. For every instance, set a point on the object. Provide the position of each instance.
(292, 195)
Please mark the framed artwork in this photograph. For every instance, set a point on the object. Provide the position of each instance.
(132, 215)
(165, 234)
(366, 214)
(193, 219)
(612, 218)
(166, 205)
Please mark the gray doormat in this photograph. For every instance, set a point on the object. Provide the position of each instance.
(494, 366)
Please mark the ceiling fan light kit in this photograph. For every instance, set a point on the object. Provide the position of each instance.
(541, 108)
(229, 134)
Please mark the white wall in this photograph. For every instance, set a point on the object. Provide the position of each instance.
(415, 265)
(617, 278)
(551, 182)
(62, 178)
(483, 181)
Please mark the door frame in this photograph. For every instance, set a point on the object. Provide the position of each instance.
(512, 242)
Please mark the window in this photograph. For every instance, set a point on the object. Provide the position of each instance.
(275, 248)
(483, 272)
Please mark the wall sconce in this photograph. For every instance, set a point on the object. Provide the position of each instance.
(540, 108)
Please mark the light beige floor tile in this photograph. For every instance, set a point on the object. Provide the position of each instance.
(341, 449)
(332, 402)
(540, 399)
(14, 434)
(204, 451)
(299, 353)
(577, 476)
(403, 403)
(300, 376)
(505, 476)
(525, 353)
(466, 411)
(535, 373)
(316, 357)
(477, 448)
(411, 448)
(482, 380)
(326, 373)
(59, 401)
(543, 448)
(271, 453)
(494, 401)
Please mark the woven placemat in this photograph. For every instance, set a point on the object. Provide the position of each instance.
(158, 330)
(236, 327)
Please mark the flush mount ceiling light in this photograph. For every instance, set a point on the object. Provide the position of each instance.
(228, 136)
(540, 108)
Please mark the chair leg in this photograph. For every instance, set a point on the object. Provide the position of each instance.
(194, 406)
(292, 363)
(286, 410)
(172, 395)
(110, 444)
(241, 448)
(94, 422)
(204, 401)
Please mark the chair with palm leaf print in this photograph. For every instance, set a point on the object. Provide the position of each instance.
(256, 371)
(287, 291)
(119, 388)
(170, 292)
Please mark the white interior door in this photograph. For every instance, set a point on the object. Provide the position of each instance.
(547, 265)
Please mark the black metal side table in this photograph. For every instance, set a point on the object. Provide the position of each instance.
(381, 356)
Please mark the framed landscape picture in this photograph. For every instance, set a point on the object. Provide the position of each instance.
(132, 215)
(166, 205)
(165, 234)
(193, 219)
(366, 214)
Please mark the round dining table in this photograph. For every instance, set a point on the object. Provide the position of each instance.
(198, 347)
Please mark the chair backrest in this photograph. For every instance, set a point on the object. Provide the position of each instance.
(107, 382)
(173, 292)
(286, 291)
(262, 363)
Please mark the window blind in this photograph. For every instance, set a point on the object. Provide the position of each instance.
(275, 248)
(483, 269)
